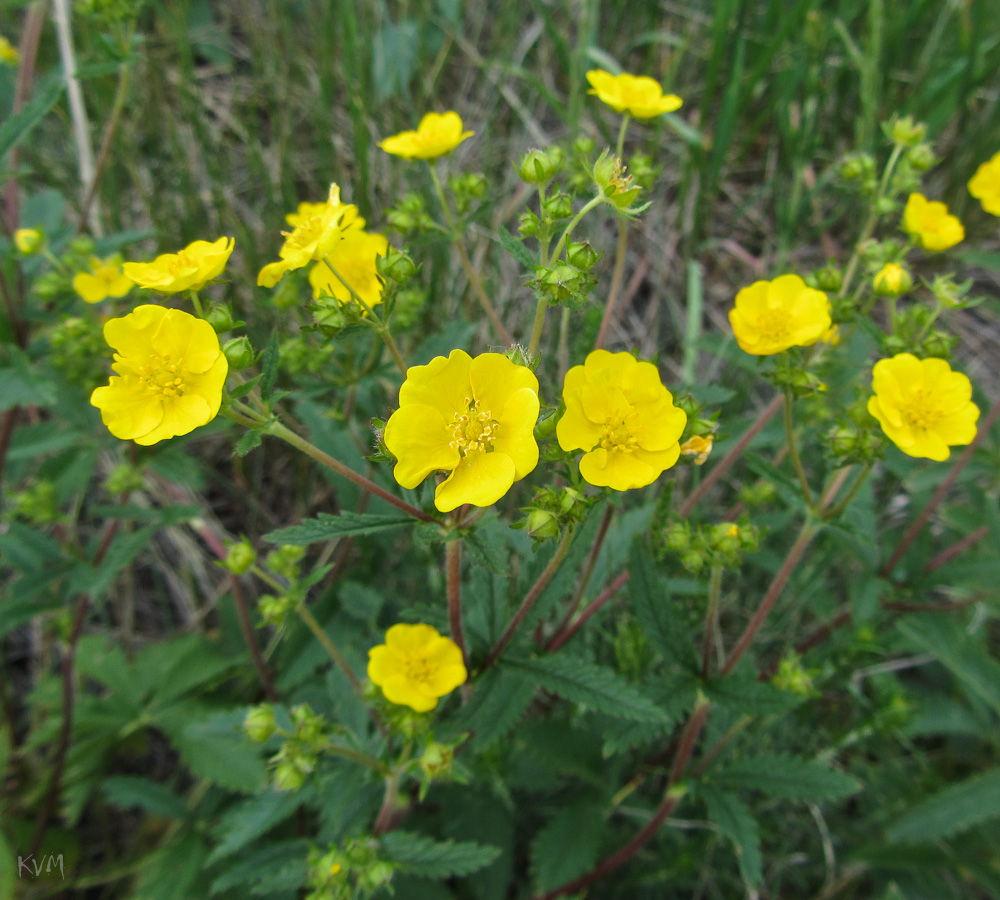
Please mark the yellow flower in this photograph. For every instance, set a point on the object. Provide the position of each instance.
(623, 418)
(930, 224)
(8, 52)
(699, 447)
(303, 213)
(771, 316)
(105, 279)
(922, 405)
(318, 229)
(354, 258)
(640, 96)
(471, 417)
(28, 240)
(985, 185)
(189, 270)
(831, 336)
(437, 134)
(892, 280)
(415, 666)
(170, 373)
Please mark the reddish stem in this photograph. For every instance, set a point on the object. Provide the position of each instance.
(560, 638)
(453, 565)
(957, 549)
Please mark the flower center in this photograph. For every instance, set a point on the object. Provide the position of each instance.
(473, 430)
(618, 433)
(921, 411)
(181, 261)
(773, 324)
(162, 375)
(418, 668)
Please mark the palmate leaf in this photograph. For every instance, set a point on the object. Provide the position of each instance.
(422, 855)
(597, 687)
(735, 820)
(788, 777)
(954, 809)
(326, 527)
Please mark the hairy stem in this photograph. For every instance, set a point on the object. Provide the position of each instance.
(331, 648)
(793, 450)
(616, 282)
(453, 566)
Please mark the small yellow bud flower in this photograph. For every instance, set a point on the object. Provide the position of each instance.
(699, 446)
(930, 224)
(9, 54)
(415, 666)
(105, 279)
(436, 135)
(985, 185)
(892, 280)
(29, 240)
(639, 96)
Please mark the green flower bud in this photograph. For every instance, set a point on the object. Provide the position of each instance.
(240, 557)
(583, 146)
(829, 278)
(857, 166)
(396, 265)
(239, 353)
(288, 777)
(677, 537)
(558, 206)
(725, 537)
(693, 560)
(274, 610)
(38, 503)
(437, 759)
(260, 723)
(757, 494)
(123, 478)
(51, 284)
(81, 246)
(541, 524)
(537, 167)
(527, 224)
(285, 560)
(220, 317)
(582, 255)
(921, 157)
(906, 131)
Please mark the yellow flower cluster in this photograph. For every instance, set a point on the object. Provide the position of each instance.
(639, 96)
(187, 270)
(170, 373)
(436, 135)
(415, 666)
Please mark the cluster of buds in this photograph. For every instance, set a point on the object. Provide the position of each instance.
(37, 504)
(299, 354)
(562, 284)
(912, 333)
(299, 752)
(552, 511)
(355, 872)
(792, 676)
(539, 167)
(859, 169)
(410, 215)
(240, 557)
(396, 267)
(855, 440)
(468, 188)
(722, 544)
(828, 278)
(77, 349)
(790, 372)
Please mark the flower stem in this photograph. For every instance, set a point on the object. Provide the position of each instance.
(276, 429)
(588, 569)
(530, 598)
(328, 645)
(793, 450)
(620, 146)
(836, 510)
(616, 281)
(711, 614)
(453, 567)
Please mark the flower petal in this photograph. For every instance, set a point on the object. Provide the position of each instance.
(516, 432)
(495, 378)
(443, 384)
(480, 479)
(418, 436)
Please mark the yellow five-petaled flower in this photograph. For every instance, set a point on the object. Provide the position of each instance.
(105, 279)
(170, 373)
(473, 418)
(187, 270)
(623, 418)
(638, 95)
(318, 228)
(922, 405)
(985, 185)
(437, 134)
(415, 666)
(354, 259)
(771, 316)
(930, 224)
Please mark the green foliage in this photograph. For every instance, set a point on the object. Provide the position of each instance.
(952, 811)
(735, 820)
(787, 777)
(567, 845)
(422, 855)
(326, 527)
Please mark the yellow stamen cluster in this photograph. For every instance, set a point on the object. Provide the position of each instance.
(473, 430)
(619, 433)
(163, 376)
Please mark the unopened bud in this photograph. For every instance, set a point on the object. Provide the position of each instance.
(240, 557)
(906, 131)
(582, 255)
(29, 240)
(260, 723)
(396, 265)
(239, 353)
(220, 317)
(892, 280)
(921, 157)
(537, 167)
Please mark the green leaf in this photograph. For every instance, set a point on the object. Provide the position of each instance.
(124, 548)
(8, 868)
(515, 247)
(491, 555)
(241, 390)
(788, 777)
(129, 791)
(422, 855)
(967, 660)
(594, 686)
(17, 127)
(568, 845)
(747, 695)
(326, 527)
(171, 873)
(499, 700)
(284, 859)
(656, 612)
(269, 366)
(954, 809)
(735, 820)
(249, 441)
(248, 820)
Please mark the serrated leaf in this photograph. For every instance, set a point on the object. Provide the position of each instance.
(595, 686)
(269, 366)
(653, 607)
(129, 791)
(287, 858)
(422, 855)
(248, 820)
(16, 127)
(735, 820)
(326, 527)
(499, 700)
(568, 845)
(951, 811)
(124, 548)
(788, 777)
(241, 390)
(170, 873)
(967, 660)
(491, 555)
(747, 696)
(515, 248)
(249, 441)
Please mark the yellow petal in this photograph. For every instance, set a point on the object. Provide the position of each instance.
(181, 415)
(615, 469)
(515, 436)
(126, 409)
(418, 436)
(480, 479)
(92, 289)
(443, 384)
(495, 378)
